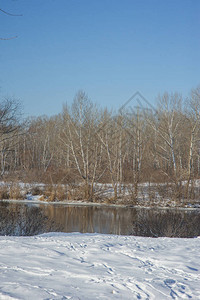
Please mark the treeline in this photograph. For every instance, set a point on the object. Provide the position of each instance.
(85, 145)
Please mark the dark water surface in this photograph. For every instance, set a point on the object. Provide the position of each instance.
(18, 219)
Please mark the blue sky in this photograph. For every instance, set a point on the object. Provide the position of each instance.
(108, 48)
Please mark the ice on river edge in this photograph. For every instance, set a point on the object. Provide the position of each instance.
(96, 266)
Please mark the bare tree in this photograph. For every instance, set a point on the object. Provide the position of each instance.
(79, 125)
(11, 15)
(109, 137)
(193, 116)
(167, 127)
(9, 129)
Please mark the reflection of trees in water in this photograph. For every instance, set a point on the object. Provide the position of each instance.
(22, 220)
(92, 218)
(169, 223)
(19, 219)
(142, 222)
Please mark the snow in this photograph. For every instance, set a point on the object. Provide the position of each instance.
(96, 266)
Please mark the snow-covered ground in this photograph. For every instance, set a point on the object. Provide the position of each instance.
(95, 266)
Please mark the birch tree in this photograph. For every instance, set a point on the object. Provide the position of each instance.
(9, 129)
(79, 124)
(193, 114)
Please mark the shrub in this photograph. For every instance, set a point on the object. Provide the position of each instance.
(4, 192)
(55, 193)
(36, 190)
(15, 191)
(166, 223)
(61, 192)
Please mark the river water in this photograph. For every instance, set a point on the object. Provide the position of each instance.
(25, 219)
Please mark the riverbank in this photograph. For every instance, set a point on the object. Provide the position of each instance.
(35, 200)
(148, 196)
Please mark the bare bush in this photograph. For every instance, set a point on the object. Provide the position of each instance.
(36, 190)
(24, 221)
(4, 192)
(61, 192)
(166, 223)
(53, 192)
(15, 191)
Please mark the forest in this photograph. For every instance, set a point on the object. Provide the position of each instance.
(86, 151)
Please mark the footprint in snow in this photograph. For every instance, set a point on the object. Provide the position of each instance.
(169, 281)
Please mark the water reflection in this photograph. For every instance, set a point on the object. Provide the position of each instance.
(23, 220)
(26, 219)
(93, 219)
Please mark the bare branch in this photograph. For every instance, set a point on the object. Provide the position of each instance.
(10, 14)
(7, 39)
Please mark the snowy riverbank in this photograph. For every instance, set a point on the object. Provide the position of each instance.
(95, 266)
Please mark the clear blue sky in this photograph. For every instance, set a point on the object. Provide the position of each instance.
(109, 48)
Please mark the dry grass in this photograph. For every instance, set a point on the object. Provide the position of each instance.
(61, 192)
(76, 192)
(4, 192)
(11, 191)
(15, 191)
(54, 193)
(37, 190)
(42, 198)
